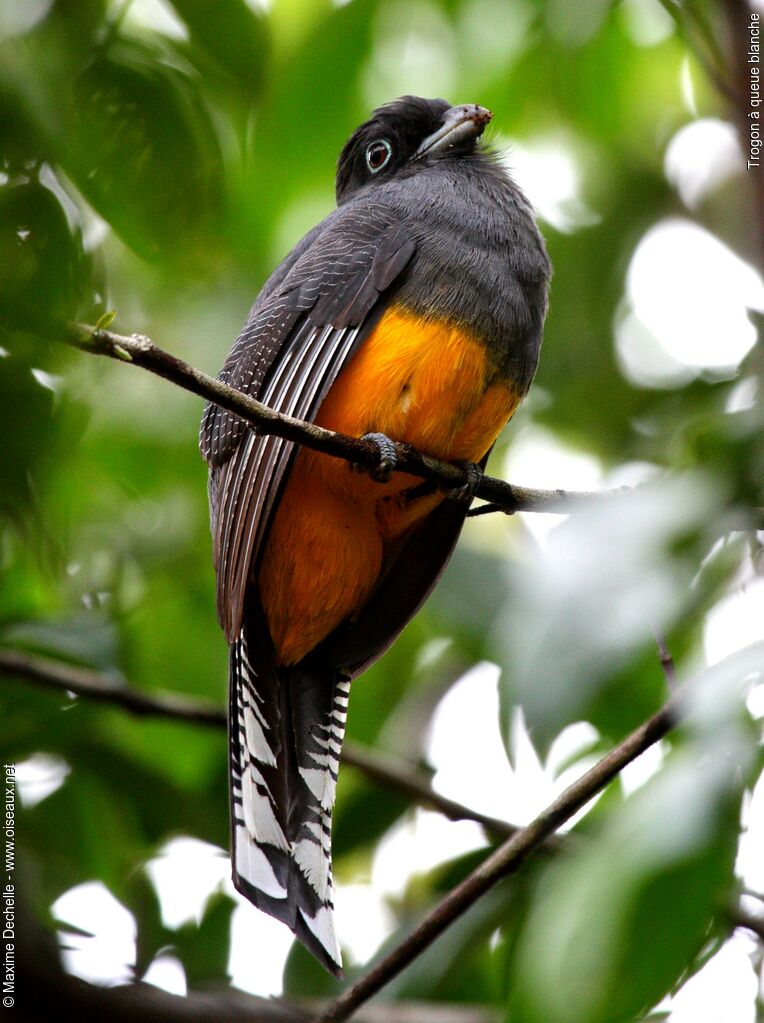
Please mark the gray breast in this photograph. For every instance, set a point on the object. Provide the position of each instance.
(480, 259)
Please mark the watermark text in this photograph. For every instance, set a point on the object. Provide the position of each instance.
(755, 92)
(8, 886)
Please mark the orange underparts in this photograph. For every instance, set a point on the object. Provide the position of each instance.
(426, 382)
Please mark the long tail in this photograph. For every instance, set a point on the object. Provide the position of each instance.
(286, 728)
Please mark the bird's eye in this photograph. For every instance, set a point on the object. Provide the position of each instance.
(378, 155)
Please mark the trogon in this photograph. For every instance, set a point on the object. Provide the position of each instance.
(414, 311)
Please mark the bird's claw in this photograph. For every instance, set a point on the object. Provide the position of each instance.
(388, 457)
(466, 491)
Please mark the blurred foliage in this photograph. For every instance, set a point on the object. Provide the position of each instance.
(159, 158)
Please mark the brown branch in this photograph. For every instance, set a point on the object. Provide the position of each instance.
(141, 351)
(97, 686)
(71, 998)
(429, 1012)
(506, 860)
(696, 36)
(386, 770)
(44, 991)
(381, 768)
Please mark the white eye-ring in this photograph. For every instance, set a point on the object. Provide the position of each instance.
(378, 155)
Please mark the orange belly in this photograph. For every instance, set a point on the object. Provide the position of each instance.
(424, 382)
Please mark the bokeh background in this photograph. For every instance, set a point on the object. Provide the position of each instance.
(158, 158)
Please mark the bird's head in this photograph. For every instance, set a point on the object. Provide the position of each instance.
(406, 135)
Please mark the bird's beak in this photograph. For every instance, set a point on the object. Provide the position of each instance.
(459, 124)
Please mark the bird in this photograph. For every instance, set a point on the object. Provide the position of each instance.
(413, 313)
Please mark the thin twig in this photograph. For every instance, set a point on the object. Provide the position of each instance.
(697, 35)
(55, 674)
(381, 768)
(388, 770)
(430, 1012)
(141, 351)
(506, 860)
(46, 992)
(667, 661)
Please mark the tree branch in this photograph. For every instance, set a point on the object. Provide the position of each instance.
(141, 351)
(381, 768)
(46, 991)
(506, 860)
(386, 770)
(700, 40)
(59, 675)
(429, 1012)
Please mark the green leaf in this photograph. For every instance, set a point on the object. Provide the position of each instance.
(140, 897)
(364, 813)
(44, 266)
(233, 35)
(143, 151)
(87, 637)
(304, 977)
(204, 949)
(82, 831)
(470, 597)
(106, 319)
(43, 424)
(585, 606)
(296, 145)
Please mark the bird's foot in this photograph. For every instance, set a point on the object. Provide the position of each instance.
(388, 457)
(467, 490)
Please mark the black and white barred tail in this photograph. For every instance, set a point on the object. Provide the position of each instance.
(286, 727)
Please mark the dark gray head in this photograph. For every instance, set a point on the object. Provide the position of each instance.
(406, 135)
